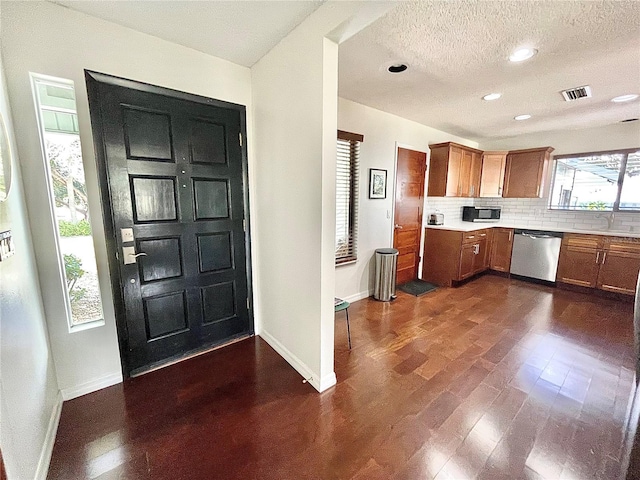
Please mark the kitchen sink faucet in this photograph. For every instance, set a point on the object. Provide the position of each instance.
(609, 217)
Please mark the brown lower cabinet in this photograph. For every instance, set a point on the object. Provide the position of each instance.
(501, 247)
(451, 256)
(595, 261)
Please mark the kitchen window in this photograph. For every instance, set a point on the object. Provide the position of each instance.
(608, 181)
(348, 150)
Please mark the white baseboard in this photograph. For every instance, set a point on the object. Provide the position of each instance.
(358, 296)
(328, 381)
(49, 440)
(91, 386)
(319, 384)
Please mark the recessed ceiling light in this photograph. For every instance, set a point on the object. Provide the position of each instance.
(522, 54)
(492, 96)
(625, 98)
(522, 117)
(398, 68)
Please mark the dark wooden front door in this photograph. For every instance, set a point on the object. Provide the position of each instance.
(173, 180)
(410, 174)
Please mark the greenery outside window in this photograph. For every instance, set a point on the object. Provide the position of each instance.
(348, 149)
(602, 181)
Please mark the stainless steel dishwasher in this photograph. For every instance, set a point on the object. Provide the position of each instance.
(535, 254)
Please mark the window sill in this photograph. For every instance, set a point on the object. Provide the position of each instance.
(86, 326)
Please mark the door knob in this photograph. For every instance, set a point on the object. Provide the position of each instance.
(399, 226)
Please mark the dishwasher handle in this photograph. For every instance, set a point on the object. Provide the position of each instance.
(538, 234)
(530, 235)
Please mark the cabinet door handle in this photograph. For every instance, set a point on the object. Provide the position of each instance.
(483, 234)
(510, 233)
(604, 257)
(471, 236)
(597, 256)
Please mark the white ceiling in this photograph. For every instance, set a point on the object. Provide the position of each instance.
(239, 31)
(458, 51)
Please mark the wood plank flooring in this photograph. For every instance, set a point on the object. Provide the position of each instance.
(495, 379)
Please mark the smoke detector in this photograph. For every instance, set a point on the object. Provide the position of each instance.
(575, 93)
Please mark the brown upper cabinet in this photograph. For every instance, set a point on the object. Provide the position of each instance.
(525, 172)
(459, 171)
(454, 170)
(492, 179)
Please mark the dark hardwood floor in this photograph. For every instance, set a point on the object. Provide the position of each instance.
(495, 379)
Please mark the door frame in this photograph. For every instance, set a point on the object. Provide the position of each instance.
(93, 80)
(406, 146)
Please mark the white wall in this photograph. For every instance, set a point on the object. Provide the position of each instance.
(29, 403)
(610, 137)
(381, 133)
(295, 109)
(45, 38)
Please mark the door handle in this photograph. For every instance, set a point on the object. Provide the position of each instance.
(399, 227)
(130, 255)
(597, 256)
(604, 257)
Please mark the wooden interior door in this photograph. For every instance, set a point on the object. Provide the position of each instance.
(410, 173)
(172, 172)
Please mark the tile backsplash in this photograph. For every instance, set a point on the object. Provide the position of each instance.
(450, 207)
(534, 212)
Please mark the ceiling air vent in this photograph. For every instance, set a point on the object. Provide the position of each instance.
(576, 93)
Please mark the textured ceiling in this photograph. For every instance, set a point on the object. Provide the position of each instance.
(458, 51)
(238, 31)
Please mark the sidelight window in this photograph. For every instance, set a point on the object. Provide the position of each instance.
(58, 121)
(347, 169)
(607, 181)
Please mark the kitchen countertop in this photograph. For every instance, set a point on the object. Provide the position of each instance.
(461, 226)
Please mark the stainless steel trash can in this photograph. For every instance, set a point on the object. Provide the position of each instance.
(385, 282)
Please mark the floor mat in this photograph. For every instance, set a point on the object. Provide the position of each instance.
(417, 287)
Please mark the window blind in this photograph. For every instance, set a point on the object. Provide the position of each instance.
(347, 174)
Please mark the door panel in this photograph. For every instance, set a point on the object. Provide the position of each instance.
(174, 174)
(454, 188)
(619, 272)
(578, 266)
(408, 212)
(465, 174)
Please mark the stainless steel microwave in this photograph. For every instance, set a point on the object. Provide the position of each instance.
(480, 214)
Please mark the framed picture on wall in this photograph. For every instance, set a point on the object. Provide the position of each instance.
(377, 183)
